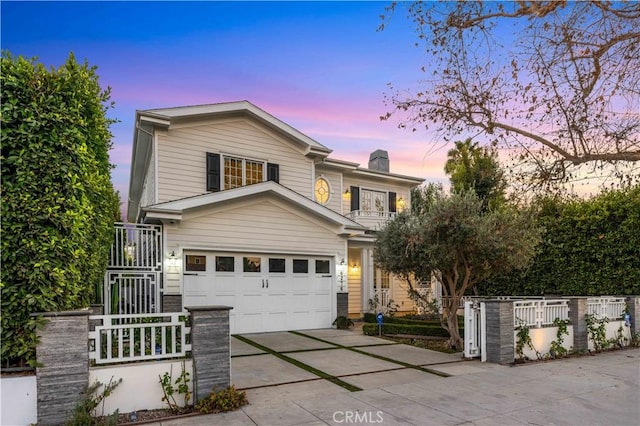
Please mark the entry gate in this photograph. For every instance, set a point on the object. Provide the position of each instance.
(473, 328)
(132, 283)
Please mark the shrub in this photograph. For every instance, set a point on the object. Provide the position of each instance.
(228, 399)
(418, 330)
(343, 323)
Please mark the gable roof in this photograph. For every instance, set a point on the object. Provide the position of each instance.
(147, 120)
(173, 210)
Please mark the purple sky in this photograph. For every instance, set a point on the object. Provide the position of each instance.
(319, 66)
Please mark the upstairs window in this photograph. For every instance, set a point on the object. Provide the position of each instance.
(242, 172)
(322, 191)
(227, 172)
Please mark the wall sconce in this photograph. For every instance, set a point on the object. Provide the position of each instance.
(400, 204)
(173, 259)
(347, 194)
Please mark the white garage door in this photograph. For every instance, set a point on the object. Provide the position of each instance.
(267, 292)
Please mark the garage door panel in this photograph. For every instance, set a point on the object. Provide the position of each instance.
(267, 292)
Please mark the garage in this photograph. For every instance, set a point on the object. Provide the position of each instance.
(268, 292)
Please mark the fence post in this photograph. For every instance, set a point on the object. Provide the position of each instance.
(62, 354)
(578, 311)
(210, 349)
(499, 335)
(342, 304)
(633, 306)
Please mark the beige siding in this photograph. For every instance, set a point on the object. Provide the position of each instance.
(182, 156)
(148, 196)
(400, 295)
(355, 284)
(263, 225)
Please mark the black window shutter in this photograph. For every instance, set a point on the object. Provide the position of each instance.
(355, 198)
(273, 172)
(213, 172)
(392, 202)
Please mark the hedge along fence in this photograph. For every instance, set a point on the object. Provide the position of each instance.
(58, 202)
(407, 329)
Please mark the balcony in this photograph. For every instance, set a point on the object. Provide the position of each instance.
(374, 220)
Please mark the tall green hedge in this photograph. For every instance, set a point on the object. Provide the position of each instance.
(591, 247)
(58, 203)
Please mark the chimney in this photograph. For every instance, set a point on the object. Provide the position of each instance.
(379, 160)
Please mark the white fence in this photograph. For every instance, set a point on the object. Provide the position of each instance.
(138, 337)
(606, 307)
(537, 313)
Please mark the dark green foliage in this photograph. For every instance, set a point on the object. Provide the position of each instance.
(459, 239)
(58, 203)
(591, 247)
(228, 399)
(343, 323)
(476, 168)
(371, 318)
(435, 330)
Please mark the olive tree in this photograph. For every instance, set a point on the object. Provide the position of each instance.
(455, 237)
(58, 203)
(554, 82)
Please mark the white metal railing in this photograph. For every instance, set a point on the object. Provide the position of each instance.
(136, 246)
(606, 307)
(138, 337)
(355, 214)
(536, 313)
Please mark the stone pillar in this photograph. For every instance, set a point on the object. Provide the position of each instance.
(633, 306)
(578, 317)
(62, 354)
(499, 335)
(210, 349)
(342, 304)
(171, 303)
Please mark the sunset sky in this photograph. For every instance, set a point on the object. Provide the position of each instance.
(321, 67)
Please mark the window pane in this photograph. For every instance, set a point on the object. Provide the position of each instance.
(232, 172)
(251, 264)
(322, 191)
(322, 267)
(300, 266)
(254, 172)
(276, 265)
(225, 264)
(196, 263)
(373, 201)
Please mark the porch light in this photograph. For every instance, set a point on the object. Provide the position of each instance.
(400, 204)
(354, 268)
(347, 194)
(173, 259)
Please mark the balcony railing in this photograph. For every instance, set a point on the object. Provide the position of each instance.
(371, 219)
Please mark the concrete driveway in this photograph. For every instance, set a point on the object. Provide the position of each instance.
(338, 377)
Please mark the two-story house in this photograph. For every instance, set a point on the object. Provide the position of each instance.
(257, 216)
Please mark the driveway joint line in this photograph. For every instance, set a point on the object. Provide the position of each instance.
(380, 357)
(329, 377)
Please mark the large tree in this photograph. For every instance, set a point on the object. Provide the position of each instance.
(476, 168)
(58, 203)
(555, 82)
(454, 236)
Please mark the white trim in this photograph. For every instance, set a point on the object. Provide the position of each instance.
(155, 168)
